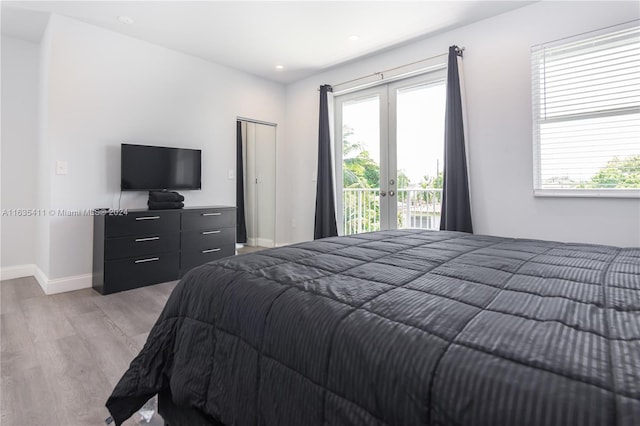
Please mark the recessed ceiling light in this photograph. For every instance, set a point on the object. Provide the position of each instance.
(128, 20)
(354, 38)
(279, 67)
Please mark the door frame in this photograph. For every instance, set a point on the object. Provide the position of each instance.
(425, 80)
(387, 94)
(381, 93)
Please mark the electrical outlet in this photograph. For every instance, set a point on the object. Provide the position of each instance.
(231, 174)
(294, 224)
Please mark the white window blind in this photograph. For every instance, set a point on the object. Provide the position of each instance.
(586, 115)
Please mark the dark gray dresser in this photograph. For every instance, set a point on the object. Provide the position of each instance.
(146, 247)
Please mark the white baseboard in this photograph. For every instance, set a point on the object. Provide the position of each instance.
(76, 282)
(62, 285)
(41, 278)
(261, 242)
(282, 244)
(17, 271)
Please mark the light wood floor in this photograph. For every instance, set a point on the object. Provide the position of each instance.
(62, 355)
(250, 249)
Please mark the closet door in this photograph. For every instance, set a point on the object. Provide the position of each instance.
(259, 182)
(265, 184)
(250, 187)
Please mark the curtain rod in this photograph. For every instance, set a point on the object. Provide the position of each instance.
(459, 51)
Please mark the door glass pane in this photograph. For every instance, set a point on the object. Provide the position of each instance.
(361, 165)
(420, 152)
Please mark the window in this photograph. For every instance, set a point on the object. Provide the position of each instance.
(586, 115)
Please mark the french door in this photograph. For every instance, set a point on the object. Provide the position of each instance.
(389, 162)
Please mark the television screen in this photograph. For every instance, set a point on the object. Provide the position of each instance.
(146, 168)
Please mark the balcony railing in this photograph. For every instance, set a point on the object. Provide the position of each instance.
(417, 208)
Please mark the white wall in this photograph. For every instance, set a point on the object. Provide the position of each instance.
(105, 89)
(19, 151)
(497, 75)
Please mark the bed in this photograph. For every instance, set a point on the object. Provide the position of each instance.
(406, 327)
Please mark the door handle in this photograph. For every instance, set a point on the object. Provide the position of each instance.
(383, 193)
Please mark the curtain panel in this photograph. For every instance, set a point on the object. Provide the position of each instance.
(325, 219)
(241, 221)
(456, 207)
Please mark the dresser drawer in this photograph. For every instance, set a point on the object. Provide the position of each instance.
(208, 219)
(210, 238)
(142, 223)
(191, 259)
(140, 245)
(135, 272)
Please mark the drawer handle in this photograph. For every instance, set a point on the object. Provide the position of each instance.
(148, 218)
(211, 214)
(140, 240)
(151, 259)
(210, 232)
(210, 250)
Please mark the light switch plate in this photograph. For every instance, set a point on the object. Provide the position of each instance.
(62, 167)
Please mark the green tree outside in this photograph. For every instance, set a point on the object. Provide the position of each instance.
(361, 210)
(617, 173)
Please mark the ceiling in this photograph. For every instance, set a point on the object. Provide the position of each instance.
(305, 37)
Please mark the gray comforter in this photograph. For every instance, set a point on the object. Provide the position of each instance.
(401, 328)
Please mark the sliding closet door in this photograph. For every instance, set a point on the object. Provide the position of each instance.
(265, 183)
(260, 183)
(250, 187)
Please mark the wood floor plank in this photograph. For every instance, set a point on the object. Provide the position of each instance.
(62, 355)
(14, 332)
(28, 400)
(133, 311)
(16, 290)
(45, 319)
(17, 350)
(111, 349)
(81, 388)
(76, 303)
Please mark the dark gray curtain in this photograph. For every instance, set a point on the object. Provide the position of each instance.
(456, 208)
(325, 223)
(241, 222)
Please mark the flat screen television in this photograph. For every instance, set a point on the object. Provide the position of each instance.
(154, 168)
